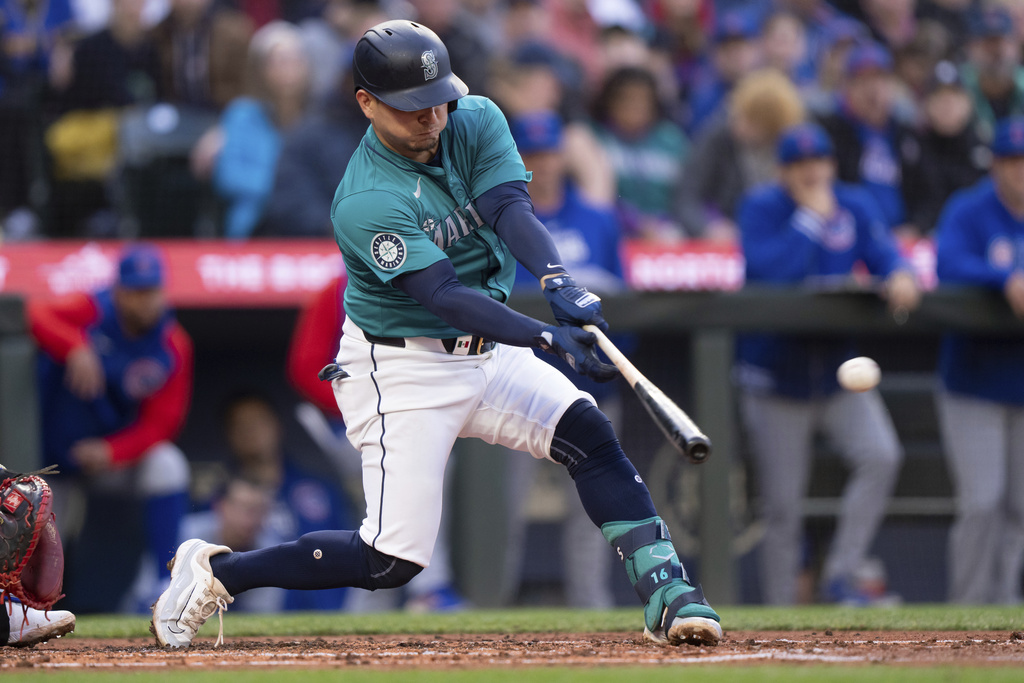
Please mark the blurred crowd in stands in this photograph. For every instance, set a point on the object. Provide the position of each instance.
(235, 118)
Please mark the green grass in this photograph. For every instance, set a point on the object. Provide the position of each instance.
(916, 617)
(705, 673)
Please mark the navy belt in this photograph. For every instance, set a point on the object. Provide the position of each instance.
(466, 345)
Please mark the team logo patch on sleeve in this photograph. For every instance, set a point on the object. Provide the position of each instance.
(388, 250)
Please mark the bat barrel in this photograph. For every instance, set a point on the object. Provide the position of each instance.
(698, 448)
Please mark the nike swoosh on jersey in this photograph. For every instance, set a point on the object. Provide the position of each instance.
(416, 194)
(555, 265)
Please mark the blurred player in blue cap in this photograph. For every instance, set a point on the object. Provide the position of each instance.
(980, 242)
(115, 382)
(803, 229)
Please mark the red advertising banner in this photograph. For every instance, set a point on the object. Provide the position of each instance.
(216, 273)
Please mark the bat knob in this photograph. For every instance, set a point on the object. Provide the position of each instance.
(698, 450)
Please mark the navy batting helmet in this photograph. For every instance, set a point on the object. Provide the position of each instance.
(406, 66)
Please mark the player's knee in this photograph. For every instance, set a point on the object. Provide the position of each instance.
(388, 571)
(584, 438)
(163, 470)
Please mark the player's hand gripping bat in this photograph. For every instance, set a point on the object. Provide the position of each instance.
(673, 421)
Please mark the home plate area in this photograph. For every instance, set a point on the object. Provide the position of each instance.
(476, 651)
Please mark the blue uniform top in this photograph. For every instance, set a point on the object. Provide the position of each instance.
(134, 369)
(785, 244)
(980, 243)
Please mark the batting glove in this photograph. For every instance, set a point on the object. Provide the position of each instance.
(571, 304)
(576, 346)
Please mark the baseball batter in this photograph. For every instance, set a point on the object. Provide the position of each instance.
(431, 217)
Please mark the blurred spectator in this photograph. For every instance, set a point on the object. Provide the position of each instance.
(993, 73)
(736, 153)
(953, 16)
(734, 52)
(892, 23)
(914, 64)
(470, 55)
(95, 15)
(981, 400)
(952, 155)
(202, 47)
(646, 148)
(784, 40)
(681, 28)
(239, 156)
(313, 159)
(588, 239)
(842, 35)
(821, 21)
(35, 36)
(537, 78)
(314, 343)
(241, 519)
(330, 38)
(873, 148)
(115, 383)
(305, 500)
(808, 229)
(112, 69)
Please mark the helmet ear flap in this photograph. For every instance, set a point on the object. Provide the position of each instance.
(452, 106)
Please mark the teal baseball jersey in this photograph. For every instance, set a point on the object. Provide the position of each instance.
(393, 215)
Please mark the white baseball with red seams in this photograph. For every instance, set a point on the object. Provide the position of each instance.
(859, 374)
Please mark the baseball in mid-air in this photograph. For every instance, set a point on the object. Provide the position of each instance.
(859, 374)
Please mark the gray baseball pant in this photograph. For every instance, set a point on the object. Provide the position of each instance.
(780, 432)
(984, 444)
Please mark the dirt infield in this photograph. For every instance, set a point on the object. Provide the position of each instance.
(527, 650)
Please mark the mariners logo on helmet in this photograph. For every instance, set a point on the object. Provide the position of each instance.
(429, 65)
(388, 250)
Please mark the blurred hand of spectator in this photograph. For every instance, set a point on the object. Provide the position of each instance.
(85, 377)
(204, 154)
(92, 455)
(902, 292)
(1014, 291)
(721, 230)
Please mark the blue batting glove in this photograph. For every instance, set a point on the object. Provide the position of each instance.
(573, 305)
(576, 346)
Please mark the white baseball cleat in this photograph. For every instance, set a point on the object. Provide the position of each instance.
(193, 596)
(30, 626)
(687, 630)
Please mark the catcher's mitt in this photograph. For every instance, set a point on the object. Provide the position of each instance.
(31, 555)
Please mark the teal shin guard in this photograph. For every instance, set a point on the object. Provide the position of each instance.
(658, 577)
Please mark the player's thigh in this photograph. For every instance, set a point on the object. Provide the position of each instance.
(859, 426)
(403, 482)
(779, 431)
(524, 400)
(974, 440)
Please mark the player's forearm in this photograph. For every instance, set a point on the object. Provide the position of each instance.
(59, 327)
(508, 209)
(438, 290)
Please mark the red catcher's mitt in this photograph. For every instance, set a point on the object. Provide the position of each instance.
(31, 555)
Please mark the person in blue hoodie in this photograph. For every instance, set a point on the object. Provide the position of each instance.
(806, 229)
(980, 404)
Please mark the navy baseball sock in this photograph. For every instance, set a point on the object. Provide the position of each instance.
(609, 486)
(321, 559)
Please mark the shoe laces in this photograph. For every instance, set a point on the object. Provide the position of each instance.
(197, 616)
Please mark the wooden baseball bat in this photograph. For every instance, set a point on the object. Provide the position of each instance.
(673, 421)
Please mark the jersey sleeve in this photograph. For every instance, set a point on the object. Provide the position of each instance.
(495, 159)
(314, 343)
(961, 245)
(59, 326)
(162, 415)
(381, 231)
